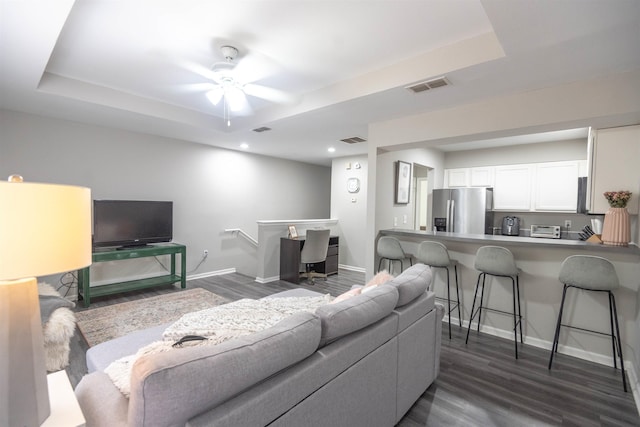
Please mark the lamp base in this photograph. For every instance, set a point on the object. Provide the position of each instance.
(24, 395)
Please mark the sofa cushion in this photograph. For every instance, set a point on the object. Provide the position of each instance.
(356, 312)
(169, 388)
(411, 283)
(102, 355)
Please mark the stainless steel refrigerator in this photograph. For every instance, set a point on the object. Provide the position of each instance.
(463, 210)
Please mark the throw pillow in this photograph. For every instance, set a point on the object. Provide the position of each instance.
(379, 279)
(350, 293)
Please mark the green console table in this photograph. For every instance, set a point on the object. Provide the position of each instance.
(85, 291)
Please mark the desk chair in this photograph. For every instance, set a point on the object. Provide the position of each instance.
(389, 248)
(591, 273)
(314, 251)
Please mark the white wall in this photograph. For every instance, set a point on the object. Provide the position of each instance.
(381, 206)
(386, 209)
(350, 209)
(556, 151)
(212, 189)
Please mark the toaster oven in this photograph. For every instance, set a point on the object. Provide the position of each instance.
(545, 231)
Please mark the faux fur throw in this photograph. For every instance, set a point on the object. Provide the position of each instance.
(50, 301)
(217, 324)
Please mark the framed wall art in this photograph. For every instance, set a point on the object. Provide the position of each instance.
(403, 182)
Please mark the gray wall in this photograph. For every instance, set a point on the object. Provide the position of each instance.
(350, 209)
(212, 189)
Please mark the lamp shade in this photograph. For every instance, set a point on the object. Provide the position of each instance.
(44, 229)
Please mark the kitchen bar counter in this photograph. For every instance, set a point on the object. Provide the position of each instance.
(488, 239)
(541, 291)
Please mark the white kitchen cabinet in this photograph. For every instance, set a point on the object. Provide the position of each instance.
(456, 178)
(512, 187)
(481, 176)
(556, 186)
(469, 177)
(615, 160)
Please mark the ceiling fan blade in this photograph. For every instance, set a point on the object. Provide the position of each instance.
(196, 87)
(200, 70)
(269, 94)
(253, 67)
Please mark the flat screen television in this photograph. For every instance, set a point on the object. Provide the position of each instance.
(127, 223)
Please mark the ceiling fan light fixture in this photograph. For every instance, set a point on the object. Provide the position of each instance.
(215, 95)
(234, 97)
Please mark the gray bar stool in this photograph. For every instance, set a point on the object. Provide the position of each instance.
(389, 248)
(591, 273)
(497, 261)
(436, 255)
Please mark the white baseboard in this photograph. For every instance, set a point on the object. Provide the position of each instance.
(274, 278)
(211, 274)
(351, 268)
(267, 279)
(634, 384)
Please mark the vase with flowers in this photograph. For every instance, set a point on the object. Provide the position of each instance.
(615, 229)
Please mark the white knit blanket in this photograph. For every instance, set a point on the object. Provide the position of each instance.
(217, 324)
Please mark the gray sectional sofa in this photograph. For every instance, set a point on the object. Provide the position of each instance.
(363, 361)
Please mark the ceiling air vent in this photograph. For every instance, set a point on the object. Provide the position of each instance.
(353, 140)
(429, 84)
(261, 129)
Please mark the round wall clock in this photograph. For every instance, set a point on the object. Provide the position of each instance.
(353, 185)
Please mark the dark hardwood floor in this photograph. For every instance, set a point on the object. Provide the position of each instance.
(480, 384)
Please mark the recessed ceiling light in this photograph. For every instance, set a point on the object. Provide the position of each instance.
(331, 150)
(244, 145)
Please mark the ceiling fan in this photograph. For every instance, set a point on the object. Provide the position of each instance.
(228, 85)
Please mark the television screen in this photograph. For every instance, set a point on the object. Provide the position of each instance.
(131, 222)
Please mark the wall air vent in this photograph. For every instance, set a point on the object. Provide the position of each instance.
(261, 129)
(353, 140)
(428, 85)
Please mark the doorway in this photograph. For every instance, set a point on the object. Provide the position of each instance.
(421, 191)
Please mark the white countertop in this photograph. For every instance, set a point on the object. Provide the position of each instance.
(632, 249)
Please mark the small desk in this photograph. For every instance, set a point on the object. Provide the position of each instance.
(290, 258)
(85, 291)
(65, 411)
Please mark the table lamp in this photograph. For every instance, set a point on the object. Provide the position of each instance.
(44, 229)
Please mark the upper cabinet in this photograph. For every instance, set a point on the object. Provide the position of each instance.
(456, 177)
(614, 166)
(512, 188)
(481, 176)
(556, 186)
(548, 187)
(469, 177)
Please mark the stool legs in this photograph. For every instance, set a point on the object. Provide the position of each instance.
(554, 347)
(615, 333)
(455, 269)
(390, 264)
(614, 315)
(517, 312)
(449, 309)
(473, 305)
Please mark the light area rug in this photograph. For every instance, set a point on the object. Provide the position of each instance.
(104, 323)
